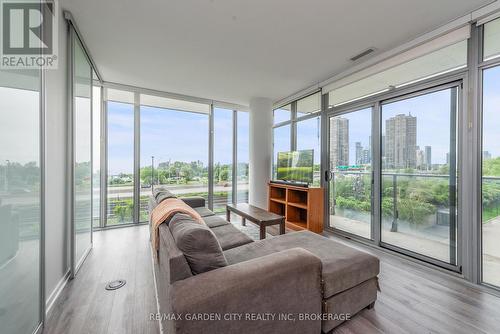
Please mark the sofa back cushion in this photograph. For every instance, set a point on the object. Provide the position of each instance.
(173, 265)
(161, 193)
(198, 244)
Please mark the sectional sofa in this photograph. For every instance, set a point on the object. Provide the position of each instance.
(300, 282)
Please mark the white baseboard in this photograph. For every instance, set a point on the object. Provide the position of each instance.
(56, 292)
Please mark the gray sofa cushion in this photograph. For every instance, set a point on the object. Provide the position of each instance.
(343, 266)
(198, 244)
(204, 212)
(230, 237)
(171, 258)
(194, 201)
(214, 221)
(162, 193)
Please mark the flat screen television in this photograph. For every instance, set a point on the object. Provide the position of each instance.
(296, 166)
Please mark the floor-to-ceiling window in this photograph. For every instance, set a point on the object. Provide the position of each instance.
(282, 114)
(419, 174)
(490, 222)
(297, 126)
(20, 197)
(350, 166)
(491, 176)
(393, 153)
(82, 153)
(281, 143)
(167, 140)
(309, 137)
(223, 158)
(120, 157)
(174, 148)
(242, 142)
(96, 155)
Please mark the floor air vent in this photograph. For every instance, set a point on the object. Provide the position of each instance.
(115, 284)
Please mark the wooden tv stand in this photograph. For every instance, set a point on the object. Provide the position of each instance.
(302, 207)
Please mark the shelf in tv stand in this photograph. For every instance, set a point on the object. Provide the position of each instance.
(302, 207)
(278, 200)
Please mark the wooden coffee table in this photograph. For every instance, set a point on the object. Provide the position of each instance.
(256, 215)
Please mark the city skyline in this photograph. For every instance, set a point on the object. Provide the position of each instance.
(399, 149)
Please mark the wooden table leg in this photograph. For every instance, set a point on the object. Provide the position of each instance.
(228, 215)
(282, 227)
(262, 231)
(243, 221)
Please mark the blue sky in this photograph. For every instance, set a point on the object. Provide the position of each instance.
(433, 126)
(491, 107)
(183, 136)
(309, 137)
(359, 131)
(433, 120)
(120, 138)
(171, 135)
(433, 123)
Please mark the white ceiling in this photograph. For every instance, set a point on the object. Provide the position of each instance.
(233, 50)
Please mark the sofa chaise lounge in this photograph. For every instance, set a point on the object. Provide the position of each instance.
(300, 282)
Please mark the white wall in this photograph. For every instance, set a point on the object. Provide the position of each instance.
(261, 150)
(57, 260)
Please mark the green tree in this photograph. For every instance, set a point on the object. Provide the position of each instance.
(123, 209)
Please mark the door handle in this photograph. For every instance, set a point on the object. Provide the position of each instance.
(328, 175)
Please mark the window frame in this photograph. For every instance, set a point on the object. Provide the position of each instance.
(478, 67)
(137, 91)
(460, 78)
(294, 119)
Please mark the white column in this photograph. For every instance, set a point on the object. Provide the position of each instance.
(261, 150)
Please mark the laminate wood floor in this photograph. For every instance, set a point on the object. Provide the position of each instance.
(417, 299)
(413, 298)
(84, 306)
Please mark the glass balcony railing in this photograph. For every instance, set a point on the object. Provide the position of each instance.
(418, 210)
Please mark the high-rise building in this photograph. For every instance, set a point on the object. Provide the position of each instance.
(339, 142)
(383, 146)
(369, 149)
(401, 141)
(359, 153)
(366, 156)
(428, 157)
(486, 155)
(420, 156)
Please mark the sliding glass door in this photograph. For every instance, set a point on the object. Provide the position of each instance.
(20, 199)
(419, 174)
(392, 174)
(350, 176)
